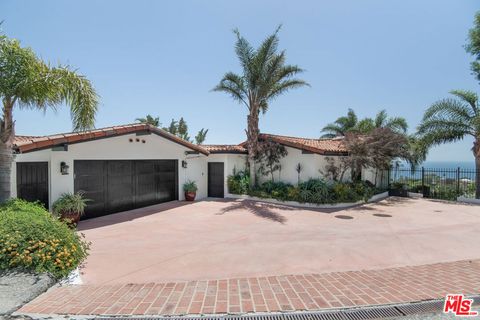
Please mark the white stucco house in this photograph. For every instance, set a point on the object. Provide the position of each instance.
(130, 166)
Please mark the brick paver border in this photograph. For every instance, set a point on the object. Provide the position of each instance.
(264, 294)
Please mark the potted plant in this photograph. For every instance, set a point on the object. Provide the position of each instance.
(70, 207)
(190, 188)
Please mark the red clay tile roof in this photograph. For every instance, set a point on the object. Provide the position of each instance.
(225, 148)
(32, 143)
(334, 146)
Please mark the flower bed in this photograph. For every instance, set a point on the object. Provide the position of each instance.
(314, 191)
(32, 239)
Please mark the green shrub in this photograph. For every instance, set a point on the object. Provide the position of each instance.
(239, 182)
(190, 186)
(70, 203)
(315, 191)
(33, 240)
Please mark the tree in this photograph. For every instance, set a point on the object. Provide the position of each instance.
(268, 156)
(264, 77)
(382, 120)
(341, 126)
(27, 82)
(376, 149)
(201, 136)
(335, 168)
(172, 128)
(473, 47)
(180, 129)
(350, 123)
(451, 120)
(150, 120)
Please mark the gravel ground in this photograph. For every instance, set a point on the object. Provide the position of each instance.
(17, 288)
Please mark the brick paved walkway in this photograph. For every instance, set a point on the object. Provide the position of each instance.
(263, 294)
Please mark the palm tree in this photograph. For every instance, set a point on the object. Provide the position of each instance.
(264, 77)
(341, 126)
(27, 82)
(450, 120)
(149, 119)
(382, 120)
(350, 123)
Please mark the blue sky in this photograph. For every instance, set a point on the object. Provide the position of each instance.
(164, 57)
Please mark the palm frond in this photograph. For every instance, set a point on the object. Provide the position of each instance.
(284, 86)
(79, 94)
(381, 118)
(233, 85)
(365, 125)
(468, 96)
(397, 124)
(332, 130)
(245, 53)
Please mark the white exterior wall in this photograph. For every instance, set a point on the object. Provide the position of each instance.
(313, 166)
(117, 148)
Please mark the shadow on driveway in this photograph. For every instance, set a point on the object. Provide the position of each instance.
(130, 215)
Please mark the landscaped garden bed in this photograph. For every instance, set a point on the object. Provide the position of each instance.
(310, 193)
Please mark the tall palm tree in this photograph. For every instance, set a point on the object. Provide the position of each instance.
(26, 82)
(450, 120)
(341, 126)
(382, 120)
(149, 119)
(264, 77)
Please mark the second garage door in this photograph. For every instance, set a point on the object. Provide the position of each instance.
(119, 185)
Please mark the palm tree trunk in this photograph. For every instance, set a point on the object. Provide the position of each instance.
(252, 143)
(7, 134)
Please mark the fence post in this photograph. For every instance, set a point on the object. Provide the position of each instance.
(423, 178)
(458, 181)
(388, 177)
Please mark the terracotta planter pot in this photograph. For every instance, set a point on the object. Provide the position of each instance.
(190, 196)
(71, 218)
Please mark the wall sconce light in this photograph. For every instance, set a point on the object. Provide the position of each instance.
(64, 168)
(184, 164)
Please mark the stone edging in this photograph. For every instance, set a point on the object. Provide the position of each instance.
(374, 198)
(468, 200)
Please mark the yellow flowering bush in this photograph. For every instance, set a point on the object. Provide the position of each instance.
(32, 239)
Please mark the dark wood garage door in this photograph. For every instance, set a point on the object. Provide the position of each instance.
(119, 185)
(32, 181)
(215, 179)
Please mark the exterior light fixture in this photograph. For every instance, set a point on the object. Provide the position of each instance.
(184, 164)
(64, 168)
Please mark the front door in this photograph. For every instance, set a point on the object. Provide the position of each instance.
(32, 181)
(215, 180)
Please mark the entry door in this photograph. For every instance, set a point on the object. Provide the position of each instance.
(32, 181)
(215, 179)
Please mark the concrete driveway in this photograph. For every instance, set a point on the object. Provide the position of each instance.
(220, 239)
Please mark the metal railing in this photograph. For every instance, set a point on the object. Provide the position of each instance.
(448, 184)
